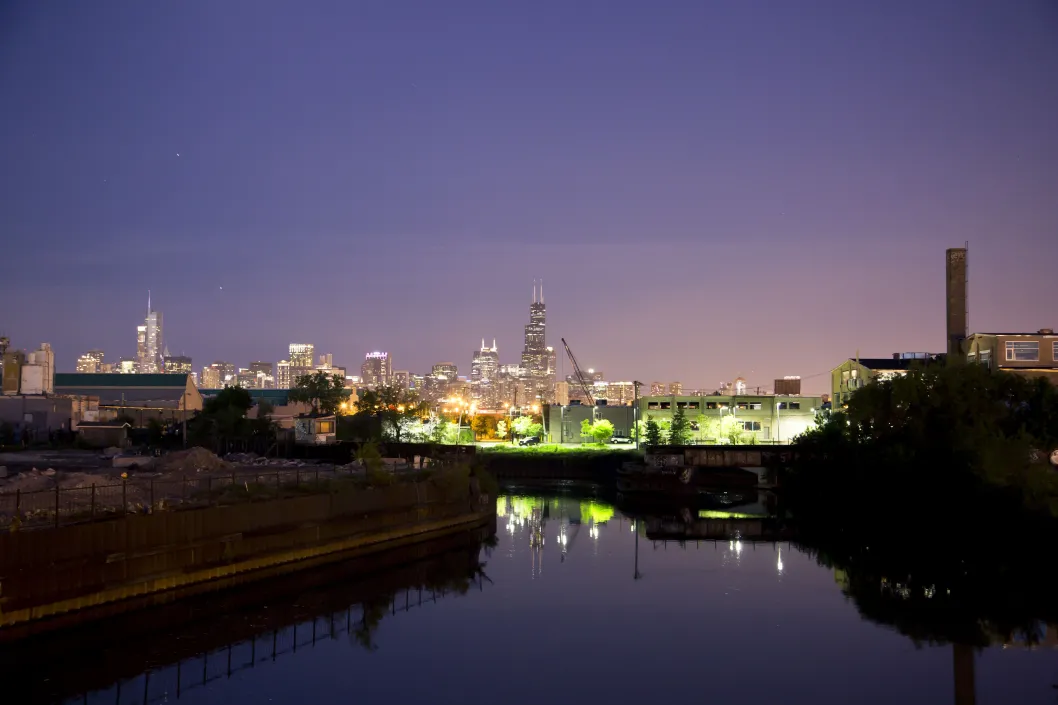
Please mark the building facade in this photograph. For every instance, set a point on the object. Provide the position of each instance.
(302, 356)
(377, 369)
(1026, 354)
(177, 365)
(90, 362)
(485, 364)
(763, 418)
(854, 373)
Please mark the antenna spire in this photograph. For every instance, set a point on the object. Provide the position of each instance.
(493, 345)
(148, 302)
(534, 291)
(541, 291)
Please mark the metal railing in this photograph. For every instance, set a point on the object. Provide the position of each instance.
(60, 506)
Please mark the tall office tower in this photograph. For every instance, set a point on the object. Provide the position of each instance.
(377, 368)
(657, 389)
(402, 379)
(283, 374)
(141, 349)
(326, 360)
(261, 368)
(177, 364)
(956, 308)
(534, 352)
(210, 377)
(301, 360)
(151, 355)
(537, 360)
(485, 364)
(91, 361)
(675, 388)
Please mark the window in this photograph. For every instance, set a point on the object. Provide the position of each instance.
(693, 405)
(687, 404)
(666, 405)
(985, 358)
(789, 405)
(1054, 351)
(1023, 351)
(755, 406)
(751, 425)
(653, 405)
(743, 405)
(711, 405)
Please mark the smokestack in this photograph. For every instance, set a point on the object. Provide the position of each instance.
(956, 300)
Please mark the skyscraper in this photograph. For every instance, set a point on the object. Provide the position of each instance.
(377, 368)
(283, 380)
(177, 364)
(91, 361)
(302, 356)
(537, 359)
(141, 348)
(154, 340)
(485, 364)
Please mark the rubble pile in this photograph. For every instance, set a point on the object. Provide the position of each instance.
(192, 460)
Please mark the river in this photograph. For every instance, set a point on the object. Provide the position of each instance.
(574, 601)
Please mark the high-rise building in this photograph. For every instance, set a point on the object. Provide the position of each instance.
(151, 354)
(402, 379)
(218, 375)
(377, 368)
(538, 361)
(301, 360)
(261, 368)
(448, 370)
(177, 364)
(326, 360)
(142, 362)
(657, 389)
(283, 375)
(675, 389)
(485, 363)
(126, 366)
(90, 362)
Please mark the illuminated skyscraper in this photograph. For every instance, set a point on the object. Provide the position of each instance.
(377, 369)
(283, 379)
(485, 363)
(150, 341)
(91, 361)
(177, 364)
(302, 358)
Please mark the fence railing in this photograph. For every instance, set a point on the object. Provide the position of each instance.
(59, 506)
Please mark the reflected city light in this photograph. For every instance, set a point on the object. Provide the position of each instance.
(779, 564)
(738, 548)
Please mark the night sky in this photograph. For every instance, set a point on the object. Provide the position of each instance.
(708, 189)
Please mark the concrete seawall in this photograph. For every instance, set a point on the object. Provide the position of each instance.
(50, 578)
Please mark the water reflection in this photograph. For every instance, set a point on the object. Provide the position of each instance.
(705, 598)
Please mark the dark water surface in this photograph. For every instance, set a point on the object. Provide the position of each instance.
(574, 603)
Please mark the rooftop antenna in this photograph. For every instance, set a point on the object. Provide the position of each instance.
(534, 291)
(148, 302)
(541, 291)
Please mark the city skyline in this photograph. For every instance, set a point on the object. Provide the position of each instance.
(711, 191)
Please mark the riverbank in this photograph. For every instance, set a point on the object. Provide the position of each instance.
(61, 576)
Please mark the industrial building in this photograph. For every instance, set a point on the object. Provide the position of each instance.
(765, 418)
(166, 397)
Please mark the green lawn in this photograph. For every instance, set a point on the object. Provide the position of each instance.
(555, 449)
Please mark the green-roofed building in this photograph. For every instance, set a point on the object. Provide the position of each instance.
(141, 396)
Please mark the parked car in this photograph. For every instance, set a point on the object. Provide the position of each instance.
(530, 441)
(622, 440)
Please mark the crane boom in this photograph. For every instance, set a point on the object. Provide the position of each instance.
(579, 375)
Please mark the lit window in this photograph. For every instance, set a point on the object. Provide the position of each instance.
(751, 425)
(1054, 351)
(1023, 351)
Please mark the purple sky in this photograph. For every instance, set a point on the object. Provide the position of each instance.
(708, 189)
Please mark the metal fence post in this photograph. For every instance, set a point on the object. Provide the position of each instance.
(124, 496)
(93, 510)
(56, 505)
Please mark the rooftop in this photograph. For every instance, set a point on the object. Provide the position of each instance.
(123, 381)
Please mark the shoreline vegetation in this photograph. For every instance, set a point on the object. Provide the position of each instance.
(950, 439)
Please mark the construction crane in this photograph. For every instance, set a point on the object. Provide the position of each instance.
(579, 375)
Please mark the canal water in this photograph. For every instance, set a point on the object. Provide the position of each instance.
(574, 602)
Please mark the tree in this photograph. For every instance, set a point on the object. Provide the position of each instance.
(679, 428)
(535, 430)
(521, 426)
(653, 433)
(732, 430)
(602, 430)
(393, 407)
(501, 429)
(585, 428)
(323, 392)
(485, 426)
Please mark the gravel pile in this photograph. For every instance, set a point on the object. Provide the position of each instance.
(192, 460)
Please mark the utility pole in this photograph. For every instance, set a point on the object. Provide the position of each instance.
(635, 416)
